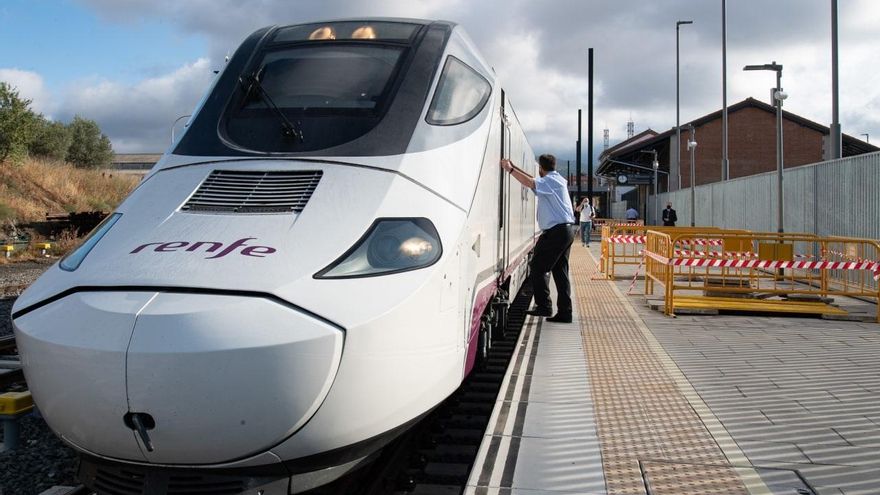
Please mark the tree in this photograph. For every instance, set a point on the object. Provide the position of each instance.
(88, 148)
(51, 140)
(17, 123)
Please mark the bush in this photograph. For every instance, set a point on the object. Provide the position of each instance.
(52, 140)
(89, 148)
(17, 124)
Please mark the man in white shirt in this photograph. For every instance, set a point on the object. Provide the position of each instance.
(586, 211)
(555, 219)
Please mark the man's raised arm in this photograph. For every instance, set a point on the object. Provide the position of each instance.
(519, 174)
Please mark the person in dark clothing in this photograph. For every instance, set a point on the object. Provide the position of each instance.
(556, 220)
(669, 216)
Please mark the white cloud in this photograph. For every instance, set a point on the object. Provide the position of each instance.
(30, 85)
(539, 49)
(138, 117)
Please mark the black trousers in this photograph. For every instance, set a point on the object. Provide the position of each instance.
(551, 255)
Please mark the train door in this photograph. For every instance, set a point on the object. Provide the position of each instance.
(503, 188)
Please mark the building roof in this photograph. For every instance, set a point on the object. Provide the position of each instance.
(645, 135)
(607, 167)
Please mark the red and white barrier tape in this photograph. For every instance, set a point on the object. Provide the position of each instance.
(627, 239)
(873, 266)
(640, 239)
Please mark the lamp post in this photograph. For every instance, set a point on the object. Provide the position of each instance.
(692, 147)
(175, 123)
(867, 138)
(725, 159)
(834, 134)
(678, 105)
(778, 96)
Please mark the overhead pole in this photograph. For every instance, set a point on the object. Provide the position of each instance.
(578, 160)
(725, 159)
(590, 129)
(835, 135)
(678, 24)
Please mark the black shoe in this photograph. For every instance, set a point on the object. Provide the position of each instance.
(539, 312)
(560, 318)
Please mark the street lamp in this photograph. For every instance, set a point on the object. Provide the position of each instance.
(778, 96)
(867, 138)
(678, 106)
(725, 159)
(175, 123)
(692, 147)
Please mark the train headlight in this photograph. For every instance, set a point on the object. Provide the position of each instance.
(391, 245)
(74, 258)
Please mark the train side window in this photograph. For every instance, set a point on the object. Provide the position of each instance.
(460, 95)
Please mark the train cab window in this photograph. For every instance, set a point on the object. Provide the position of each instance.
(460, 95)
(312, 96)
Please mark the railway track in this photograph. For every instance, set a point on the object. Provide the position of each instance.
(10, 363)
(435, 456)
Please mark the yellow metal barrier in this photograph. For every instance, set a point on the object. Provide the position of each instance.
(623, 244)
(739, 270)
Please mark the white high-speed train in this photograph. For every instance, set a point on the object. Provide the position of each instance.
(313, 266)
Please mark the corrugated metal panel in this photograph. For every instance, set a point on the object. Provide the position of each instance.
(837, 197)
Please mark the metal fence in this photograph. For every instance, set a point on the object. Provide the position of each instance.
(833, 198)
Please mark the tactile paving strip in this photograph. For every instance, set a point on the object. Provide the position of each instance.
(641, 414)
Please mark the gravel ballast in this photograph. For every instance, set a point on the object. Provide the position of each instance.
(41, 462)
(14, 277)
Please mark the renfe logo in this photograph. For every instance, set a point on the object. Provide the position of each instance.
(209, 247)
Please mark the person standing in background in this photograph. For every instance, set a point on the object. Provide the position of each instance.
(632, 214)
(669, 216)
(586, 211)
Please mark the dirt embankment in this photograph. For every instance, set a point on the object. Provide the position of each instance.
(30, 190)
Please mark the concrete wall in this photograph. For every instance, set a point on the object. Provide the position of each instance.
(838, 197)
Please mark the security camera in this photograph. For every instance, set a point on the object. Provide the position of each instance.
(780, 95)
(692, 145)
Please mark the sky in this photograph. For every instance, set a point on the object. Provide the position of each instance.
(134, 66)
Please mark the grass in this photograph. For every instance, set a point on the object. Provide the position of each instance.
(34, 188)
(30, 190)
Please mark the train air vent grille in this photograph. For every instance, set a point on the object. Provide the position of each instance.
(233, 191)
(119, 482)
(191, 485)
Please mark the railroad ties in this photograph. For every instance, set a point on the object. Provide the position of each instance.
(10, 364)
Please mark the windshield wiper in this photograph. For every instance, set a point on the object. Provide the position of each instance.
(288, 129)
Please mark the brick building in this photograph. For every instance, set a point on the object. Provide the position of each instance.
(751, 148)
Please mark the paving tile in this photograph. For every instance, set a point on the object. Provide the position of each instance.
(560, 420)
(758, 451)
(558, 464)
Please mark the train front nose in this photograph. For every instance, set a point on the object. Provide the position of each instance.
(219, 377)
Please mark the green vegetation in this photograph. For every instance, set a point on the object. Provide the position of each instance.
(88, 148)
(17, 124)
(24, 133)
(53, 140)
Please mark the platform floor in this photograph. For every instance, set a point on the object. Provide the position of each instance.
(629, 401)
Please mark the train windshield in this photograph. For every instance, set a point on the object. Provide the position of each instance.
(312, 96)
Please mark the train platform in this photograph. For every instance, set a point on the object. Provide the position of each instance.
(626, 400)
